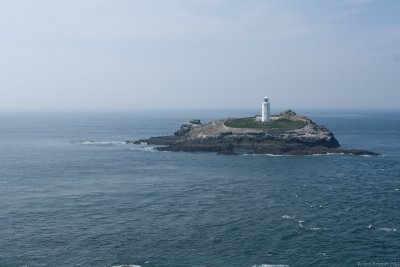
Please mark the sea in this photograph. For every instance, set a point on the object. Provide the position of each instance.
(73, 193)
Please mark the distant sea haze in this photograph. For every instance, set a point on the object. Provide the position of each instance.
(74, 193)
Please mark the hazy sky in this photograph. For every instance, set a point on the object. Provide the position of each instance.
(133, 54)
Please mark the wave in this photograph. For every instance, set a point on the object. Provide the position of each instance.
(268, 155)
(146, 149)
(340, 153)
(136, 147)
(255, 265)
(300, 224)
(271, 265)
(386, 229)
(90, 142)
(310, 155)
(288, 217)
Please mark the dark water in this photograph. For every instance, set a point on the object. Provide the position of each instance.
(105, 203)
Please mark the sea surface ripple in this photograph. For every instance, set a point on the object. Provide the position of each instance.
(73, 193)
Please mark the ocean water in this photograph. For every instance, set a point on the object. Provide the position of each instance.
(72, 193)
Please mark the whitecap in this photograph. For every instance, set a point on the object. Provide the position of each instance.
(145, 149)
(317, 229)
(288, 217)
(268, 155)
(126, 265)
(386, 229)
(270, 265)
(90, 142)
(87, 142)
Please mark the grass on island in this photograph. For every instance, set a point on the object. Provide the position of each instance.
(276, 124)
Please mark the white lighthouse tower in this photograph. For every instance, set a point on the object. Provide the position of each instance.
(265, 115)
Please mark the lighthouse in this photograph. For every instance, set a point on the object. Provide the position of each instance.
(265, 115)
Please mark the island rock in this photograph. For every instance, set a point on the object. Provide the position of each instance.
(285, 134)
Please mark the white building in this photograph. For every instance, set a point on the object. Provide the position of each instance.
(265, 114)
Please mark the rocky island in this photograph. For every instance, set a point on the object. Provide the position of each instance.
(284, 134)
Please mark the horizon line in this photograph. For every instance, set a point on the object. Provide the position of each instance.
(113, 110)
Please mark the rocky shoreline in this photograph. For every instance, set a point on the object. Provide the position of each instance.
(257, 138)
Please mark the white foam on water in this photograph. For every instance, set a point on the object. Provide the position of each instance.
(144, 148)
(316, 206)
(270, 265)
(257, 155)
(136, 147)
(386, 229)
(89, 142)
(317, 229)
(249, 155)
(288, 217)
(126, 265)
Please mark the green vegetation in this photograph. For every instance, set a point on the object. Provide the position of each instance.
(277, 124)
